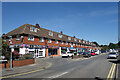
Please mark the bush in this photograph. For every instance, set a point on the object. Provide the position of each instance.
(27, 56)
(75, 53)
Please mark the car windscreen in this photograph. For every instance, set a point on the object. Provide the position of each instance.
(64, 52)
(112, 53)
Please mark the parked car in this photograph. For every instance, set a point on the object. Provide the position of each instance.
(97, 52)
(112, 55)
(86, 54)
(67, 54)
(92, 53)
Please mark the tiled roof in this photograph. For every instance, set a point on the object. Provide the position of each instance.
(42, 32)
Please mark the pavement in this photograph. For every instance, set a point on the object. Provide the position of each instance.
(40, 64)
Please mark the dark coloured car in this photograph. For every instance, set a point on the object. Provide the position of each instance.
(86, 54)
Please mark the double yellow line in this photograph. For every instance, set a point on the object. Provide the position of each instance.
(111, 72)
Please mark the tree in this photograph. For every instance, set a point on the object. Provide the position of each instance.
(96, 44)
(113, 46)
(5, 50)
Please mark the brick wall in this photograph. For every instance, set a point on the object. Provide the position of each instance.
(17, 63)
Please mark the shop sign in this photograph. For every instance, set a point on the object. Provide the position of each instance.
(21, 45)
(64, 47)
(43, 46)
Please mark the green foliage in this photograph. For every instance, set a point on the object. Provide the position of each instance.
(27, 56)
(4, 49)
(75, 53)
(113, 46)
(96, 43)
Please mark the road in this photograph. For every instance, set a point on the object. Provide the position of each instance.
(97, 67)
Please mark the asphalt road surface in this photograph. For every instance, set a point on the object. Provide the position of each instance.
(96, 67)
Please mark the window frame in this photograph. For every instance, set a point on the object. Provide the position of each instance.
(41, 39)
(33, 29)
(56, 41)
(60, 36)
(49, 41)
(29, 37)
(17, 37)
(69, 38)
(62, 42)
(50, 33)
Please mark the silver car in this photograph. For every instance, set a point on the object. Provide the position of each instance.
(112, 55)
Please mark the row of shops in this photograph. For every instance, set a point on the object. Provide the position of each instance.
(44, 51)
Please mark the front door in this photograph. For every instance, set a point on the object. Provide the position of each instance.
(36, 53)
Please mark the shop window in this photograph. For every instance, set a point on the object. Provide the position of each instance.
(49, 41)
(33, 29)
(40, 53)
(51, 33)
(52, 51)
(30, 37)
(41, 39)
(56, 41)
(18, 37)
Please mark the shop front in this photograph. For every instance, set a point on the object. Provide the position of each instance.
(53, 51)
(37, 50)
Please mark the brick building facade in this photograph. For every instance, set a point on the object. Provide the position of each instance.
(43, 42)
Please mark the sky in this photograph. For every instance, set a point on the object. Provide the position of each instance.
(93, 21)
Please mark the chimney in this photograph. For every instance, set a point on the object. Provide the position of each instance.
(73, 36)
(37, 26)
(61, 32)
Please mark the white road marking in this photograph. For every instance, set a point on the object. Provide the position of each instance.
(55, 76)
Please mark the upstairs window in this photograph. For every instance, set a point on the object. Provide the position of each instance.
(56, 41)
(60, 36)
(76, 44)
(50, 33)
(79, 40)
(62, 42)
(75, 39)
(66, 43)
(41, 39)
(49, 41)
(18, 37)
(69, 43)
(10, 38)
(73, 44)
(33, 29)
(83, 41)
(30, 38)
(69, 38)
